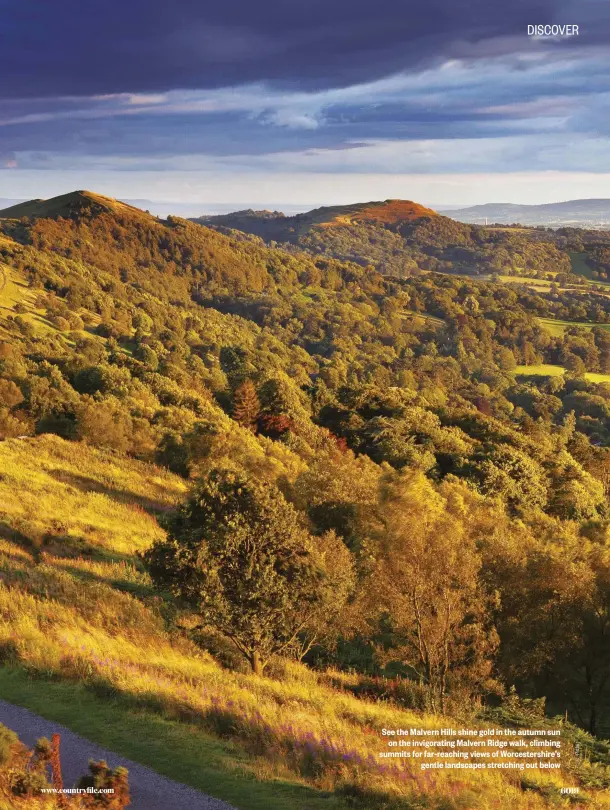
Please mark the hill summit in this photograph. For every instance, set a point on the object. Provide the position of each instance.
(388, 212)
(73, 204)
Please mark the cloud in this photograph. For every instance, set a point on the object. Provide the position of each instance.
(147, 46)
(457, 101)
(8, 160)
(330, 86)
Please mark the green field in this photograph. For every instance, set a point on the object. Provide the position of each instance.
(549, 370)
(541, 370)
(538, 284)
(581, 268)
(557, 326)
(424, 317)
(597, 378)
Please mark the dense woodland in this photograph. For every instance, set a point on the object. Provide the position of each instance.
(439, 516)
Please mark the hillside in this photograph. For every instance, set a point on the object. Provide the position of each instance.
(387, 212)
(171, 387)
(401, 238)
(77, 610)
(74, 204)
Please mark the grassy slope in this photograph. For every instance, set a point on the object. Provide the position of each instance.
(543, 369)
(14, 290)
(388, 212)
(579, 265)
(178, 750)
(82, 513)
(79, 617)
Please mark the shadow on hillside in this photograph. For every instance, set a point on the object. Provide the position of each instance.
(135, 588)
(86, 484)
(8, 532)
(60, 546)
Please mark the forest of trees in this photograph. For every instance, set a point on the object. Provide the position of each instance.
(373, 486)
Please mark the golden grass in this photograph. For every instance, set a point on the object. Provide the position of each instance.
(90, 497)
(387, 212)
(81, 610)
(597, 378)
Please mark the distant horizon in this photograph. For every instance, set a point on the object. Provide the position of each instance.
(164, 208)
(311, 190)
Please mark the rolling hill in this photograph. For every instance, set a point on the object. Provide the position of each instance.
(399, 238)
(274, 225)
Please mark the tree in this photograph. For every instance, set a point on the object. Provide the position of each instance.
(246, 405)
(505, 471)
(10, 394)
(428, 572)
(147, 356)
(237, 555)
(471, 304)
(104, 423)
(554, 616)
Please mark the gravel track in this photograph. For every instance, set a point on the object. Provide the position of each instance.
(149, 790)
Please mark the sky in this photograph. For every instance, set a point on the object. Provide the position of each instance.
(271, 102)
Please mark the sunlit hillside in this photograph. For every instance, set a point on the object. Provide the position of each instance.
(77, 610)
(169, 392)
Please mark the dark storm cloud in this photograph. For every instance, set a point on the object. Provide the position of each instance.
(71, 47)
(341, 86)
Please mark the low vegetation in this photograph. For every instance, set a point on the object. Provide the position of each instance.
(84, 620)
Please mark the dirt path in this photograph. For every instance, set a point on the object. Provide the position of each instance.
(149, 790)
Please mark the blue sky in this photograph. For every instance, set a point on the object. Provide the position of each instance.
(441, 101)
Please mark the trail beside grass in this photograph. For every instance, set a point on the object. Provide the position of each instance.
(149, 790)
(184, 753)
